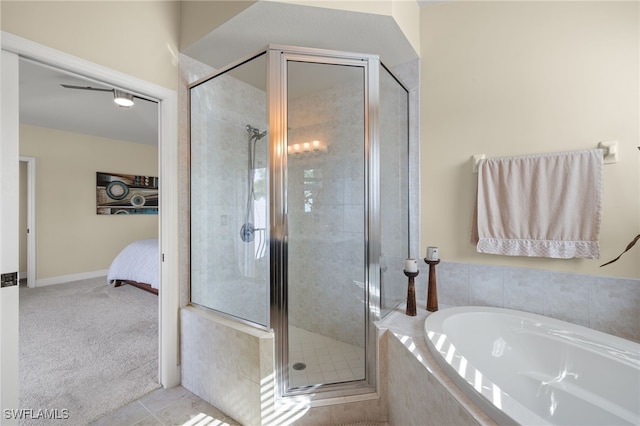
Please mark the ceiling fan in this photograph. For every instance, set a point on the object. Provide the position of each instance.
(121, 98)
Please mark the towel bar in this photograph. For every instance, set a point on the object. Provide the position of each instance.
(609, 148)
(610, 153)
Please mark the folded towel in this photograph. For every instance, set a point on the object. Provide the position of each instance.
(546, 205)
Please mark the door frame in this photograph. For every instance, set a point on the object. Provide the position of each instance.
(31, 219)
(169, 300)
(9, 189)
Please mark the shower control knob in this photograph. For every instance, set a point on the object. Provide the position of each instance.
(247, 232)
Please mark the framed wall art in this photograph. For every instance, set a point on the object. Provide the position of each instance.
(126, 194)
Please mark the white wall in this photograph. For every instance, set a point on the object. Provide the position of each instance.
(199, 18)
(71, 237)
(405, 13)
(510, 78)
(139, 38)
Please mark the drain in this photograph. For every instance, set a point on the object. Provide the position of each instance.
(299, 366)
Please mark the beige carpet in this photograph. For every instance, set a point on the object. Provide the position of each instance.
(87, 348)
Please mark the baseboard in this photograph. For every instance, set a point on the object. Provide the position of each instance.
(22, 275)
(72, 277)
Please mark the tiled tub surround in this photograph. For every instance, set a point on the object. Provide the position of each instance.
(419, 392)
(231, 366)
(607, 304)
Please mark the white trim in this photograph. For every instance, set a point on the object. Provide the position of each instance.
(31, 220)
(61, 279)
(9, 179)
(169, 300)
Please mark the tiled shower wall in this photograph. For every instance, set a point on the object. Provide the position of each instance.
(607, 304)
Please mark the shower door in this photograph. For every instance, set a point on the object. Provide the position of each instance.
(326, 198)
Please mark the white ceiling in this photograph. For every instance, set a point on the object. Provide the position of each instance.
(267, 22)
(43, 102)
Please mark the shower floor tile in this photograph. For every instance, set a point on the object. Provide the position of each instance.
(327, 360)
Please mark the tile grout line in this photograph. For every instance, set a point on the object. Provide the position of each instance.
(146, 417)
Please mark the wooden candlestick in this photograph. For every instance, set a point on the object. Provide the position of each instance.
(432, 289)
(411, 293)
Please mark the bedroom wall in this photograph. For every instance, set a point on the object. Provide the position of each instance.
(71, 238)
(511, 78)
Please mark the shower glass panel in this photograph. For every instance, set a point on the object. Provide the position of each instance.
(229, 230)
(326, 183)
(394, 189)
(302, 227)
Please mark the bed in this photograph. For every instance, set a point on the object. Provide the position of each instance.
(138, 265)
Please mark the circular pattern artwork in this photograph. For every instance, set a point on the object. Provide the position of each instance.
(118, 193)
(117, 190)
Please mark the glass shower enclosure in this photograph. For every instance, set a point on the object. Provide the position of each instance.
(299, 206)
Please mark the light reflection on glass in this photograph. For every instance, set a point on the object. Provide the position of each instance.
(554, 403)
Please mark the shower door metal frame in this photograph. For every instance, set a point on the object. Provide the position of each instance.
(277, 59)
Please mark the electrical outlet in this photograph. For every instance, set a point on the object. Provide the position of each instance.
(9, 279)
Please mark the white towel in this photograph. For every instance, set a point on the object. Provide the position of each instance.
(546, 205)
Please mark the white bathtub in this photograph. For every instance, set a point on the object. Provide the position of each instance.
(533, 370)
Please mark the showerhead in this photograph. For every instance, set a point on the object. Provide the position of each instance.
(255, 132)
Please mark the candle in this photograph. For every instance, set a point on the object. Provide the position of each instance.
(432, 253)
(411, 265)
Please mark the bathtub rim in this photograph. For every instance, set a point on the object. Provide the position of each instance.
(511, 409)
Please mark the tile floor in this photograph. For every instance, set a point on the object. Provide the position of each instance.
(327, 360)
(175, 406)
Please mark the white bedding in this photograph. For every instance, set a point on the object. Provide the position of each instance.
(139, 261)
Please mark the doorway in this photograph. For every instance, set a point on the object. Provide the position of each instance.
(118, 323)
(27, 231)
(169, 369)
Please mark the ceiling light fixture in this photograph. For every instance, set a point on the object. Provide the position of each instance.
(123, 99)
